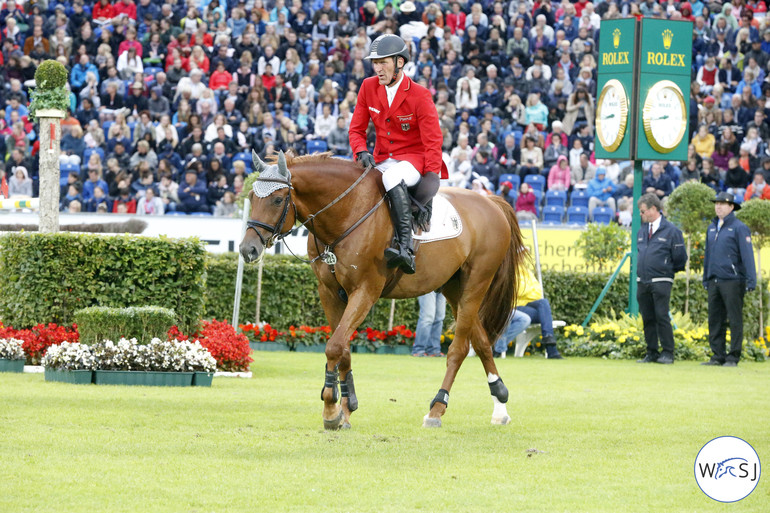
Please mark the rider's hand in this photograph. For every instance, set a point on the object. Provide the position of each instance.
(365, 159)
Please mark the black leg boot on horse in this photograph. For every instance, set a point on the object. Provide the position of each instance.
(401, 213)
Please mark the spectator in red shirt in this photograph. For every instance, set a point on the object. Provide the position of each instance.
(103, 11)
(130, 42)
(127, 7)
(220, 78)
(455, 20)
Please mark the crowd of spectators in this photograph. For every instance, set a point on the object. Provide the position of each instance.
(168, 98)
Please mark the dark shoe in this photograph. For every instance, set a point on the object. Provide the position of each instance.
(419, 354)
(648, 359)
(551, 352)
(436, 355)
(665, 359)
(712, 362)
(730, 364)
(401, 215)
(495, 354)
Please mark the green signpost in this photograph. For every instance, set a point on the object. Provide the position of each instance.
(643, 99)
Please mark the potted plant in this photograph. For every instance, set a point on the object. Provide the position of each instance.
(310, 340)
(11, 355)
(50, 97)
(264, 337)
(400, 339)
(69, 362)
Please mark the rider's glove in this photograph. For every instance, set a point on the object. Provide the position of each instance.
(365, 159)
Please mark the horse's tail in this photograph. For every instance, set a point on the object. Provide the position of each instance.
(496, 307)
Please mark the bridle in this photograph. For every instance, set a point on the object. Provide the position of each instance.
(276, 234)
(275, 230)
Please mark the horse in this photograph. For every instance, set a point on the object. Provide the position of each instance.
(338, 202)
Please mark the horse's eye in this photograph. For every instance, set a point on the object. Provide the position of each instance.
(277, 201)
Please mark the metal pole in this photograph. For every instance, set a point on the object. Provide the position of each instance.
(537, 252)
(50, 149)
(259, 287)
(605, 289)
(636, 223)
(239, 274)
(392, 314)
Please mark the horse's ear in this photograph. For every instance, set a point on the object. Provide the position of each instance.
(282, 168)
(256, 163)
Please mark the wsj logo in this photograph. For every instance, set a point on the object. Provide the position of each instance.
(727, 469)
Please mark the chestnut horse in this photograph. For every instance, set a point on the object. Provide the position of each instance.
(338, 202)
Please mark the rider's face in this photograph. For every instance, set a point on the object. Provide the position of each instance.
(385, 69)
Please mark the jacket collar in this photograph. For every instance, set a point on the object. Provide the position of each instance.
(728, 219)
(406, 85)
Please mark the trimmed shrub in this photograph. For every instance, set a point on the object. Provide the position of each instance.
(98, 323)
(48, 277)
(50, 75)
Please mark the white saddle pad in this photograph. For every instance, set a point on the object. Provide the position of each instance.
(445, 222)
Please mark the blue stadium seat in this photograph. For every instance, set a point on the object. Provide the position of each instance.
(577, 215)
(65, 170)
(514, 179)
(517, 135)
(316, 145)
(106, 127)
(152, 70)
(556, 198)
(537, 182)
(87, 154)
(538, 200)
(553, 214)
(176, 213)
(602, 215)
(579, 198)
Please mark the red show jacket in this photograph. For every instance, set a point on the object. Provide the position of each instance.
(407, 130)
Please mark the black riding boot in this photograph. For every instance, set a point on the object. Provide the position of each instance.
(401, 214)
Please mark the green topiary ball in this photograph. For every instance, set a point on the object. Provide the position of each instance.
(50, 75)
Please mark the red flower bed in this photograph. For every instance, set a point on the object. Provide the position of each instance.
(229, 348)
(38, 339)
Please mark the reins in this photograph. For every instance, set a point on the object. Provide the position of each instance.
(327, 255)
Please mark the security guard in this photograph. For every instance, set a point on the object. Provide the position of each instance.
(661, 255)
(408, 146)
(728, 272)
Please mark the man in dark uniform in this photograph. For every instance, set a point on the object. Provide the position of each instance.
(728, 272)
(661, 255)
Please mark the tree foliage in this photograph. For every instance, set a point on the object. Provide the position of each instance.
(603, 244)
(690, 207)
(755, 214)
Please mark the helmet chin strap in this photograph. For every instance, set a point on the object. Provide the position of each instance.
(396, 71)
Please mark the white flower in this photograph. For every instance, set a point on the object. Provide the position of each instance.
(11, 349)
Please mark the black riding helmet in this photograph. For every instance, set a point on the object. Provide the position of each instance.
(389, 45)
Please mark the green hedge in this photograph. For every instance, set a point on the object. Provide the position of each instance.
(289, 294)
(47, 277)
(98, 323)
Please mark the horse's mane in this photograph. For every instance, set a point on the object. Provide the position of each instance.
(315, 158)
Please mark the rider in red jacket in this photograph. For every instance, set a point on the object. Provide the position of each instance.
(408, 147)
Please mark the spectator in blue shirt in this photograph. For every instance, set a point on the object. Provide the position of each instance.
(657, 182)
(600, 189)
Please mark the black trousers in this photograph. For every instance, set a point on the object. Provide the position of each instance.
(726, 305)
(653, 301)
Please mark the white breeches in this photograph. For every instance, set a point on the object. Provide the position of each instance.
(394, 171)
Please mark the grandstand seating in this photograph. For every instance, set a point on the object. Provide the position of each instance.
(603, 215)
(316, 146)
(556, 198)
(579, 198)
(553, 214)
(577, 215)
(537, 182)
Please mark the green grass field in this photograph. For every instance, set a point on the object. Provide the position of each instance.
(587, 435)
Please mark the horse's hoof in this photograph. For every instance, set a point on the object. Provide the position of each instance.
(334, 424)
(501, 421)
(345, 425)
(430, 422)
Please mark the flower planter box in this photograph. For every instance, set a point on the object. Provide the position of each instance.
(313, 348)
(402, 349)
(361, 349)
(202, 379)
(11, 365)
(141, 378)
(76, 377)
(269, 346)
(385, 350)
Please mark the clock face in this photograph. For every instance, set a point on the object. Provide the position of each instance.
(664, 116)
(612, 115)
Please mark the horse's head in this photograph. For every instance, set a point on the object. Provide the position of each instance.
(270, 197)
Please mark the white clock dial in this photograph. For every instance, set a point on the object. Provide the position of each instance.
(612, 115)
(664, 116)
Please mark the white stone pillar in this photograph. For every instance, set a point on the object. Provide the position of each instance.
(50, 148)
